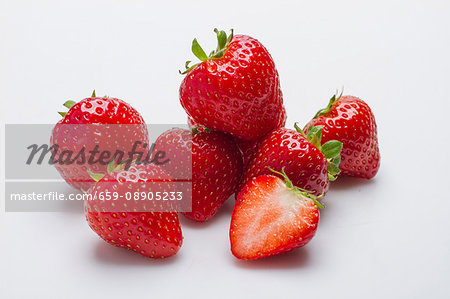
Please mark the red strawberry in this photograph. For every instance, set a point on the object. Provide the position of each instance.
(216, 167)
(306, 165)
(282, 118)
(272, 217)
(350, 120)
(151, 234)
(248, 148)
(194, 125)
(236, 89)
(120, 127)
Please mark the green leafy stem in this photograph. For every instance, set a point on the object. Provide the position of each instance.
(222, 43)
(298, 190)
(333, 100)
(330, 149)
(68, 104)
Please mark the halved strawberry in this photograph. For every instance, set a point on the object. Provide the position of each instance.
(271, 217)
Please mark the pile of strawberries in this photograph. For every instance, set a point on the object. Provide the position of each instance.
(237, 144)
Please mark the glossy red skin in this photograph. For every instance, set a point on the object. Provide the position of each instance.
(216, 167)
(96, 111)
(237, 94)
(352, 122)
(151, 234)
(248, 148)
(245, 143)
(282, 118)
(295, 234)
(304, 164)
(193, 124)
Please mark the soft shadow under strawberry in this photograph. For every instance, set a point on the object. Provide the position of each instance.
(224, 212)
(292, 260)
(347, 182)
(108, 254)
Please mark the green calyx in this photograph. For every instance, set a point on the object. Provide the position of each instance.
(199, 129)
(96, 176)
(68, 104)
(222, 43)
(110, 168)
(298, 190)
(299, 130)
(330, 149)
(327, 109)
(314, 135)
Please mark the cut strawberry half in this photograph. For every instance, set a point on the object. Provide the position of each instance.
(272, 217)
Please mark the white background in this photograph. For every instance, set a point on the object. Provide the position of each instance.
(384, 238)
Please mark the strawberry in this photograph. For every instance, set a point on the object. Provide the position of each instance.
(308, 164)
(192, 124)
(151, 234)
(216, 167)
(282, 118)
(236, 89)
(351, 121)
(79, 131)
(248, 148)
(271, 217)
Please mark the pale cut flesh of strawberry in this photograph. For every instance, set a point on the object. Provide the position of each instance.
(271, 219)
